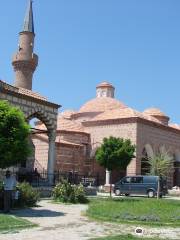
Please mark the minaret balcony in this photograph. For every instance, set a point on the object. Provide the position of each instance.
(21, 61)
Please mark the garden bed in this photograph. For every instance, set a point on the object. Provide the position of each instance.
(151, 212)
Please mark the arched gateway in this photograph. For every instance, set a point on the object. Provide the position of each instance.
(32, 104)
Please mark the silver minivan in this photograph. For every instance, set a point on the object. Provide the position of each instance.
(141, 185)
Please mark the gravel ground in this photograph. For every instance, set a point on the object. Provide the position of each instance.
(66, 222)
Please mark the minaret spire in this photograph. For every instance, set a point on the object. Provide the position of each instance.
(25, 60)
(28, 20)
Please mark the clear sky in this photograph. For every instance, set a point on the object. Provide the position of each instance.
(133, 44)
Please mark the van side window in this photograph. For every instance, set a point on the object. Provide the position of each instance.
(137, 179)
(127, 180)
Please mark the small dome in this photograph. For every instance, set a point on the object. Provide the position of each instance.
(65, 123)
(101, 105)
(157, 113)
(105, 84)
(67, 113)
(175, 125)
(154, 112)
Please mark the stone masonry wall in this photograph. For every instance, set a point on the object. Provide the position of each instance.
(74, 137)
(126, 131)
(156, 137)
(71, 153)
(41, 153)
(33, 108)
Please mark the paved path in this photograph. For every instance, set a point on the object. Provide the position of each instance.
(65, 222)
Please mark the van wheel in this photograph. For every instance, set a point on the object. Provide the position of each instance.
(126, 194)
(151, 194)
(117, 192)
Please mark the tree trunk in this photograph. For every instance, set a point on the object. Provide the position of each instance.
(158, 188)
(110, 188)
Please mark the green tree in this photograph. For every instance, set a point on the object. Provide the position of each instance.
(115, 153)
(160, 164)
(14, 131)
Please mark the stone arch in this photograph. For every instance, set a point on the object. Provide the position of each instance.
(146, 153)
(46, 117)
(43, 116)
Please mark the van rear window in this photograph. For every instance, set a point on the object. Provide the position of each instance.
(150, 179)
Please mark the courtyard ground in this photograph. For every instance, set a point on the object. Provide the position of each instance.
(61, 222)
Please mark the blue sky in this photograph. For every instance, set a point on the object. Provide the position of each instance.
(134, 44)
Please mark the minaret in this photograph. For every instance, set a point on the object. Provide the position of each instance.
(25, 61)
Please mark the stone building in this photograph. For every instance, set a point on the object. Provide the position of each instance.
(21, 95)
(80, 133)
(77, 134)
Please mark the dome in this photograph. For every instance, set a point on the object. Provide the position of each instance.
(67, 113)
(101, 104)
(117, 114)
(121, 114)
(157, 113)
(154, 112)
(65, 123)
(105, 84)
(175, 125)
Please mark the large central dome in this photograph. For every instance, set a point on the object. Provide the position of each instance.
(104, 100)
(101, 104)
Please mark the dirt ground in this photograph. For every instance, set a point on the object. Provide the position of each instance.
(66, 222)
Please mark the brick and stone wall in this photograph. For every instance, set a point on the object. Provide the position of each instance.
(157, 137)
(32, 105)
(72, 151)
(100, 131)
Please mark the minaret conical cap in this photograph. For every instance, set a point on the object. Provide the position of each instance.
(29, 21)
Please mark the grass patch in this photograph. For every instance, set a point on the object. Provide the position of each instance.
(151, 212)
(9, 222)
(124, 237)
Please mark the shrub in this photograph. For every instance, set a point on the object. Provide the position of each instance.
(28, 197)
(1, 195)
(67, 193)
(1, 185)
